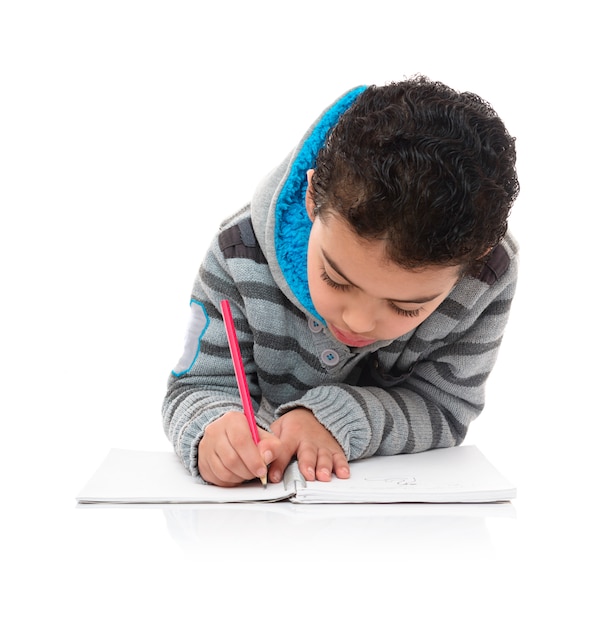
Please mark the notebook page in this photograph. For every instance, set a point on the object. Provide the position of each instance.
(134, 476)
(460, 474)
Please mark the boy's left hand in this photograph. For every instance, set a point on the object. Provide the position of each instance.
(317, 451)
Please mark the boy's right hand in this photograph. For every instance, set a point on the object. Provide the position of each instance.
(227, 455)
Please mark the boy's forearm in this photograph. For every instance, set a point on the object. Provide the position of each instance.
(414, 416)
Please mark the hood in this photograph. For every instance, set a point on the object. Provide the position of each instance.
(279, 216)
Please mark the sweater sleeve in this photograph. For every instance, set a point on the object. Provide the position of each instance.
(202, 386)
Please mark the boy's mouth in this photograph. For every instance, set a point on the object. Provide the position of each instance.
(355, 341)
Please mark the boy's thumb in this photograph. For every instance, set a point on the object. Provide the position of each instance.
(267, 456)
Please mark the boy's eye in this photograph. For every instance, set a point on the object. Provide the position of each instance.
(344, 287)
(405, 312)
(328, 280)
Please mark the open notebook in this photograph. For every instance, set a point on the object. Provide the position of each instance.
(461, 474)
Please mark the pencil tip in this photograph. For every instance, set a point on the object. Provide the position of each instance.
(263, 480)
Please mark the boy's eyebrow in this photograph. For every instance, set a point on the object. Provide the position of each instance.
(337, 270)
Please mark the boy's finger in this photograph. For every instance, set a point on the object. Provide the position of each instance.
(278, 465)
(307, 461)
(341, 468)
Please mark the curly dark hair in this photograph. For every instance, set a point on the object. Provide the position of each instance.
(426, 168)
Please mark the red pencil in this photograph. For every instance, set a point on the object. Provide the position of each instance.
(240, 374)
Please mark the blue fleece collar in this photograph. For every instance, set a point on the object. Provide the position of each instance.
(292, 224)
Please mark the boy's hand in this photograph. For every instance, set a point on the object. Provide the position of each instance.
(318, 453)
(227, 455)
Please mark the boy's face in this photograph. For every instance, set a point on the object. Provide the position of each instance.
(363, 296)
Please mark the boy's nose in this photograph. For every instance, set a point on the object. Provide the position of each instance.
(359, 320)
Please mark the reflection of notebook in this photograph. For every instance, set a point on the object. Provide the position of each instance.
(461, 474)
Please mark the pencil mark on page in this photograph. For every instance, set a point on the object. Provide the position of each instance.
(399, 480)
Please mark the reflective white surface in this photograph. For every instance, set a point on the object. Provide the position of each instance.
(459, 563)
(129, 130)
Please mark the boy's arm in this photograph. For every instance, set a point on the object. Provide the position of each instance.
(202, 386)
(433, 405)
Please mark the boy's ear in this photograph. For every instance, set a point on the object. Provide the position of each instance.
(308, 199)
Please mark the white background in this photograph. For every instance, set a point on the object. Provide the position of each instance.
(128, 130)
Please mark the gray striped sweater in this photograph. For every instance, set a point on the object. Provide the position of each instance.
(411, 394)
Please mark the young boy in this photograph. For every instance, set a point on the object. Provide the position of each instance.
(370, 280)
